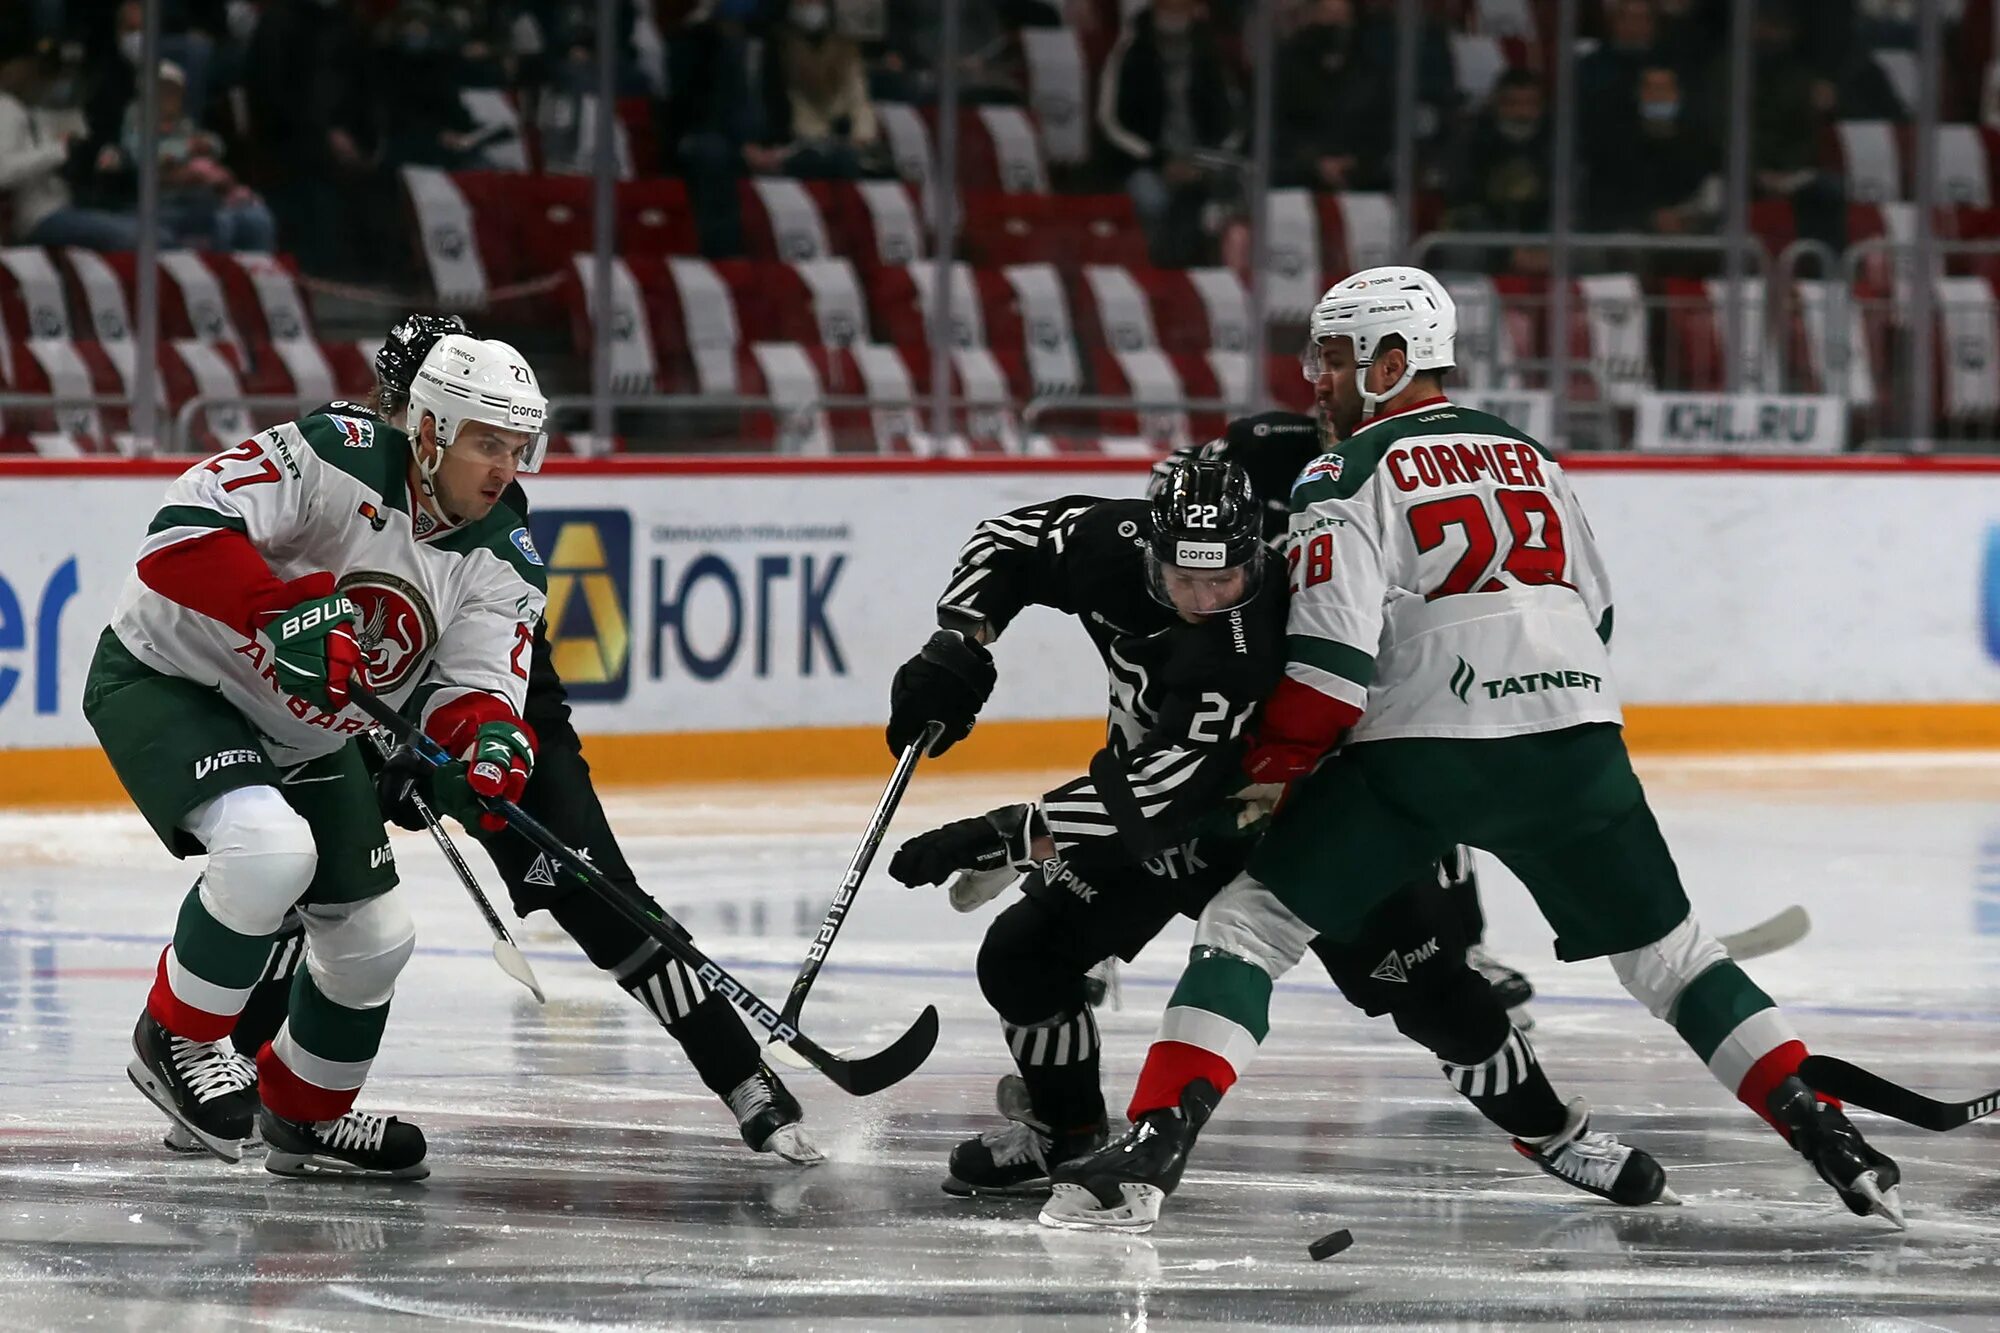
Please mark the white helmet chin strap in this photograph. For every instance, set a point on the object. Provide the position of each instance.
(1371, 402)
(427, 472)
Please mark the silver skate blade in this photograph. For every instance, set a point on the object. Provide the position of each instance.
(1667, 1196)
(1884, 1203)
(790, 1143)
(229, 1150)
(312, 1166)
(515, 964)
(1074, 1208)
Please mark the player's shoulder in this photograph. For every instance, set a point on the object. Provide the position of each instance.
(504, 534)
(351, 439)
(1093, 530)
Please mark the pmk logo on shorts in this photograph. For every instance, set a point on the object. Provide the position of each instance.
(222, 759)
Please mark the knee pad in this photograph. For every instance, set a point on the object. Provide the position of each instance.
(261, 858)
(1247, 920)
(1657, 973)
(1024, 972)
(1455, 1017)
(356, 950)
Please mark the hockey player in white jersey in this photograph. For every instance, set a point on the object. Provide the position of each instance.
(1449, 632)
(316, 556)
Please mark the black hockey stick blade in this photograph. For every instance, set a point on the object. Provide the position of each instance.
(869, 1074)
(1852, 1083)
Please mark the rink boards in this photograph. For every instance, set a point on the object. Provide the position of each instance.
(742, 618)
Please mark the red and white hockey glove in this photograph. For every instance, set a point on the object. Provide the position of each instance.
(496, 756)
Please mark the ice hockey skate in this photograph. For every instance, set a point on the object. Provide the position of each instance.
(1598, 1163)
(1122, 1187)
(1015, 1159)
(357, 1144)
(1865, 1179)
(770, 1119)
(205, 1088)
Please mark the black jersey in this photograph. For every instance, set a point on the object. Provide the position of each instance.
(1182, 695)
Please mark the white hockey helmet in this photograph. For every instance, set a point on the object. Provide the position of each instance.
(463, 379)
(1374, 303)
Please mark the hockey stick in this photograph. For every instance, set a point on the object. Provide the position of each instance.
(1852, 1083)
(505, 952)
(870, 1074)
(1780, 932)
(850, 883)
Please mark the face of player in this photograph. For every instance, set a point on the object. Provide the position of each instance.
(1337, 394)
(1200, 593)
(476, 468)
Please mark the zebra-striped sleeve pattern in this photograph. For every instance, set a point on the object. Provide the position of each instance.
(1010, 562)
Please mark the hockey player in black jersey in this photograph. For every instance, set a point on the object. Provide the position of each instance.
(1174, 594)
(560, 795)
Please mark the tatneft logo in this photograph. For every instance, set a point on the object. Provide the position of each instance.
(1464, 677)
(589, 615)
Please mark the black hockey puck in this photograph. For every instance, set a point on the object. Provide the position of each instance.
(1331, 1244)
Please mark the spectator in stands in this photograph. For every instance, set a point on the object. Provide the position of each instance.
(719, 106)
(824, 115)
(311, 87)
(1792, 99)
(1606, 78)
(428, 124)
(1329, 105)
(1169, 116)
(34, 150)
(1499, 178)
(201, 201)
(1660, 172)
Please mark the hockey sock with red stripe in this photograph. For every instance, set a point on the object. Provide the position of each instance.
(206, 975)
(1740, 1034)
(1219, 1013)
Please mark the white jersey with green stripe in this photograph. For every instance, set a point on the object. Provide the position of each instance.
(444, 610)
(1445, 582)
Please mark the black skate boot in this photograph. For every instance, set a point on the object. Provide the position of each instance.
(1510, 986)
(205, 1088)
(1014, 1160)
(770, 1119)
(357, 1144)
(1864, 1179)
(1598, 1163)
(1122, 1187)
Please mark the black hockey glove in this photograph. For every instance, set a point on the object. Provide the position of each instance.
(1003, 837)
(403, 772)
(948, 681)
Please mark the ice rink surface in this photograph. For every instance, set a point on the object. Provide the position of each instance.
(583, 1179)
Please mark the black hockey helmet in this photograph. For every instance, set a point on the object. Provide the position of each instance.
(1272, 448)
(408, 343)
(1205, 551)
